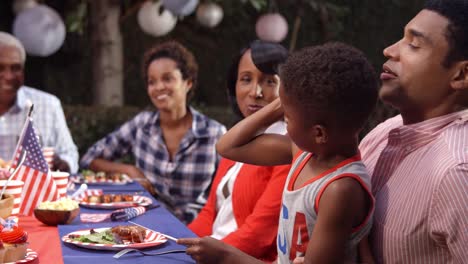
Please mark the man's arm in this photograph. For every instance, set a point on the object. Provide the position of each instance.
(242, 143)
(448, 214)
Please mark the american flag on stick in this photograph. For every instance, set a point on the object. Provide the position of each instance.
(39, 185)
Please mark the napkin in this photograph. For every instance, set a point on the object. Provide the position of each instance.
(117, 215)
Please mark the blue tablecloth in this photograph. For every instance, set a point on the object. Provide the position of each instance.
(158, 219)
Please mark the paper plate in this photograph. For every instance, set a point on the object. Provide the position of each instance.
(30, 257)
(126, 179)
(137, 201)
(152, 239)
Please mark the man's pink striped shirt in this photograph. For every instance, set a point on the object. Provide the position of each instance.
(420, 182)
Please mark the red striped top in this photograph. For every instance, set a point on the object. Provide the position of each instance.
(420, 182)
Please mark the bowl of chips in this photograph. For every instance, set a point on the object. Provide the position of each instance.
(60, 212)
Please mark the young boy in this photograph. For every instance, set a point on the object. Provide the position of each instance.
(327, 94)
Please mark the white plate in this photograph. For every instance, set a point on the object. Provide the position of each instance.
(30, 257)
(126, 179)
(137, 201)
(152, 239)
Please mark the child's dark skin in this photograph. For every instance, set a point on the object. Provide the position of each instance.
(344, 203)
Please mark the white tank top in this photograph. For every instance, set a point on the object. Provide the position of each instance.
(298, 213)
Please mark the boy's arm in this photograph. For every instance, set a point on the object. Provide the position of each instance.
(365, 253)
(241, 142)
(209, 250)
(342, 206)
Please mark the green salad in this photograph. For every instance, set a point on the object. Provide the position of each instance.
(103, 237)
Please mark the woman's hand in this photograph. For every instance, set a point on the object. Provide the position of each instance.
(138, 176)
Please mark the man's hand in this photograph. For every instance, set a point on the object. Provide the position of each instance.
(59, 164)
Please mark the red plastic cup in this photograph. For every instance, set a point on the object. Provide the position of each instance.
(48, 153)
(14, 188)
(61, 181)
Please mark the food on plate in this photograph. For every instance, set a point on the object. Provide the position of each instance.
(64, 204)
(91, 176)
(108, 198)
(14, 242)
(114, 235)
(134, 234)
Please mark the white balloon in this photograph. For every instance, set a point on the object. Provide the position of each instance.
(209, 14)
(180, 7)
(40, 29)
(153, 22)
(271, 27)
(20, 5)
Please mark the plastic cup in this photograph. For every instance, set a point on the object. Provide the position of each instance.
(61, 181)
(14, 188)
(48, 153)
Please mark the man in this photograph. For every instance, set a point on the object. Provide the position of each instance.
(419, 159)
(15, 101)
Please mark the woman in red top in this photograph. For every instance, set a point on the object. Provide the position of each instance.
(244, 202)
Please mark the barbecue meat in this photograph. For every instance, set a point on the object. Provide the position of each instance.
(134, 234)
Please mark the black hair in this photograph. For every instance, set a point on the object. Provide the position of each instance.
(184, 59)
(456, 11)
(266, 56)
(335, 80)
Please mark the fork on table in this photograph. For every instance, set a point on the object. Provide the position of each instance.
(128, 250)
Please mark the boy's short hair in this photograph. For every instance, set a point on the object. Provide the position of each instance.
(184, 59)
(456, 11)
(335, 80)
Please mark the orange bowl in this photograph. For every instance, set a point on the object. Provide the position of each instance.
(56, 217)
(6, 205)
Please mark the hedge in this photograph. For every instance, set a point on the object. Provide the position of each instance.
(90, 123)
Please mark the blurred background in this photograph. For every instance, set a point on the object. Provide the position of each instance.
(93, 53)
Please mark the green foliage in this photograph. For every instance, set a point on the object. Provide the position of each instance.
(76, 20)
(88, 124)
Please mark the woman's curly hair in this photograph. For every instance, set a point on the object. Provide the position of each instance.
(184, 59)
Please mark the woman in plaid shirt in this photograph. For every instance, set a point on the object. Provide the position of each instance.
(174, 146)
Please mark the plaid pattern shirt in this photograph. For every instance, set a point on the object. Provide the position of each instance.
(49, 124)
(182, 180)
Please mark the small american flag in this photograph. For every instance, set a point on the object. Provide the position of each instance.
(39, 185)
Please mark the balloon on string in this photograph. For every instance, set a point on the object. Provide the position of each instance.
(209, 14)
(40, 29)
(20, 5)
(271, 27)
(154, 22)
(180, 7)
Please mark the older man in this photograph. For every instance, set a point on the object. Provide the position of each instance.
(15, 101)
